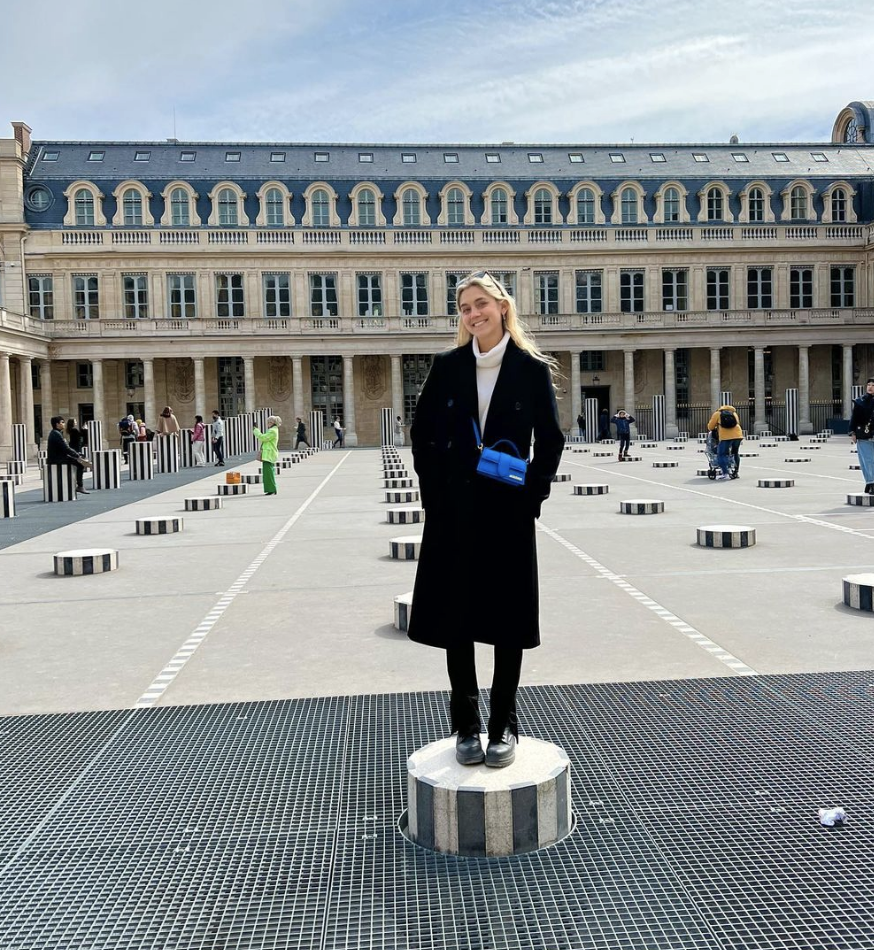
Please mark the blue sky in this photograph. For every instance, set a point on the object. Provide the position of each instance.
(447, 71)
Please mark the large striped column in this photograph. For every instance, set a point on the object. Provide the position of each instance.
(59, 483)
(186, 448)
(19, 443)
(591, 420)
(317, 428)
(168, 453)
(142, 462)
(232, 437)
(791, 411)
(7, 499)
(209, 455)
(106, 473)
(386, 426)
(95, 435)
(658, 418)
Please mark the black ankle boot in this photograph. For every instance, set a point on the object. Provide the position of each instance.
(503, 732)
(501, 752)
(869, 488)
(464, 713)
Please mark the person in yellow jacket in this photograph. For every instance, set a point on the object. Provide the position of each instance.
(269, 453)
(726, 420)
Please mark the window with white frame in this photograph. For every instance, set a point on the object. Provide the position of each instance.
(542, 206)
(499, 206)
(415, 369)
(366, 207)
(229, 213)
(132, 207)
(321, 208)
(326, 388)
(756, 201)
(839, 205)
(229, 295)
(628, 205)
(180, 208)
(546, 288)
(277, 295)
(182, 295)
(715, 204)
(798, 204)
(675, 289)
(369, 295)
(507, 278)
(323, 295)
(631, 291)
(86, 297)
(412, 207)
(585, 206)
(134, 374)
(843, 286)
(84, 207)
(760, 288)
(135, 294)
(589, 285)
(274, 202)
(671, 204)
(84, 376)
(455, 206)
(414, 295)
(718, 284)
(41, 296)
(801, 288)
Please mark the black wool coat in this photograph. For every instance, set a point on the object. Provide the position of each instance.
(477, 570)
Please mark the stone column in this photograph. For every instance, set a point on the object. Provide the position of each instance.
(576, 400)
(397, 386)
(297, 384)
(199, 389)
(25, 371)
(715, 377)
(97, 383)
(672, 430)
(149, 407)
(5, 407)
(804, 423)
(761, 423)
(249, 370)
(847, 381)
(47, 398)
(350, 436)
(628, 404)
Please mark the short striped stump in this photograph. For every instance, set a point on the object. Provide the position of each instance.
(403, 605)
(406, 515)
(607, 442)
(397, 483)
(776, 483)
(647, 445)
(779, 438)
(394, 471)
(633, 458)
(86, 561)
(476, 811)
(58, 483)
(809, 448)
(675, 448)
(861, 500)
(827, 433)
(254, 478)
(703, 472)
(767, 433)
(767, 445)
(18, 480)
(240, 489)
(751, 455)
(206, 503)
(859, 591)
(855, 468)
(577, 450)
(665, 464)
(106, 473)
(796, 460)
(591, 489)
(726, 536)
(818, 440)
(16, 467)
(561, 477)
(163, 524)
(602, 455)
(7, 499)
(396, 497)
(406, 548)
(641, 506)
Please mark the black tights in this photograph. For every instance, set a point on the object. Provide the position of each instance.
(461, 665)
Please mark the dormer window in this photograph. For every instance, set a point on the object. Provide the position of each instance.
(493, 158)
(277, 156)
(536, 158)
(142, 156)
(450, 158)
(51, 156)
(739, 156)
(232, 156)
(365, 157)
(187, 156)
(617, 158)
(408, 158)
(575, 158)
(96, 156)
(657, 157)
(780, 156)
(700, 157)
(322, 156)
(819, 156)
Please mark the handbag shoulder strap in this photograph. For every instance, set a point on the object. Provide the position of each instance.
(476, 435)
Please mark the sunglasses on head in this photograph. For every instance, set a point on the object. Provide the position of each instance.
(481, 275)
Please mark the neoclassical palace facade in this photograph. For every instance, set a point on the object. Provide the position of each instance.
(135, 275)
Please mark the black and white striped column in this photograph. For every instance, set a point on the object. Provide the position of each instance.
(591, 411)
(106, 473)
(776, 483)
(95, 435)
(659, 418)
(386, 426)
(858, 591)
(406, 548)
(725, 396)
(317, 428)
(7, 500)
(204, 503)
(17, 467)
(726, 536)
(186, 449)
(403, 605)
(641, 506)
(159, 524)
(141, 461)
(168, 453)
(85, 562)
(591, 489)
(791, 411)
(19, 443)
(59, 483)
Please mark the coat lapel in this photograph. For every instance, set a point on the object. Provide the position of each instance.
(467, 385)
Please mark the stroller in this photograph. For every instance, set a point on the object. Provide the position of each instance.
(711, 448)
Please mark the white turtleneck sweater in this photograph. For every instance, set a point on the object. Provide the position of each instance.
(488, 365)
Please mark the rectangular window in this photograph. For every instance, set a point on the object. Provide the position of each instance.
(84, 376)
(182, 296)
(134, 377)
(369, 295)
(322, 157)
(700, 157)
(843, 286)
(450, 158)
(780, 156)
(50, 156)
(86, 298)
(41, 297)
(229, 296)
(135, 291)
(452, 281)
(142, 156)
(739, 157)
(186, 156)
(575, 158)
(415, 372)
(759, 288)
(675, 289)
(589, 291)
(631, 291)
(36, 375)
(508, 279)
(323, 295)
(717, 288)
(408, 158)
(493, 158)
(414, 295)
(326, 389)
(277, 295)
(819, 156)
(657, 157)
(232, 156)
(617, 158)
(96, 156)
(592, 361)
(536, 158)
(801, 288)
(365, 157)
(277, 156)
(547, 290)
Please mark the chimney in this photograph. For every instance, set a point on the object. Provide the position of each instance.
(22, 135)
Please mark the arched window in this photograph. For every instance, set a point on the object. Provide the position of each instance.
(84, 202)
(132, 204)
(798, 203)
(412, 207)
(455, 206)
(366, 207)
(499, 206)
(321, 208)
(275, 203)
(542, 206)
(672, 204)
(585, 206)
(629, 206)
(180, 208)
(715, 204)
(839, 205)
(757, 204)
(228, 211)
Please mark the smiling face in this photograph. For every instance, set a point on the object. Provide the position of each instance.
(870, 389)
(482, 315)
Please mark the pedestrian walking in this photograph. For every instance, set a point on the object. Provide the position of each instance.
(498, 383)
(300, 433)
(581, 425)
(622, 420)
(399, 439)
(726, 420)
(218, 438)
(338, 433)
(198, 442)
(269, 453)
(861, 430)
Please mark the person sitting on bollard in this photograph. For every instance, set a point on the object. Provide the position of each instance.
(862, 434)
(59, 453)
(168, 424)
(269, 453)
(480, 523)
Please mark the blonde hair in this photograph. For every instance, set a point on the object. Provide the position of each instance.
(273, 421)
(519, 333)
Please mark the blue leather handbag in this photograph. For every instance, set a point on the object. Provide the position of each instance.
(501, 466)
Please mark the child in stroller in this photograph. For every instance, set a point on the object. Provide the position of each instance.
(711, 447)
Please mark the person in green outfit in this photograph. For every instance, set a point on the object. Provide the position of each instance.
(269, 453)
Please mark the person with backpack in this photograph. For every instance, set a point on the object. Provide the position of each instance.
(862, 434)
(726, 420)
(128, 431)
(623, 421)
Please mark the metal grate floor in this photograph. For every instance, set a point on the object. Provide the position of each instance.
(273, 825)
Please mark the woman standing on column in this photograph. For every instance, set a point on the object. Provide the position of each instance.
(269, 453)
(477, 574)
